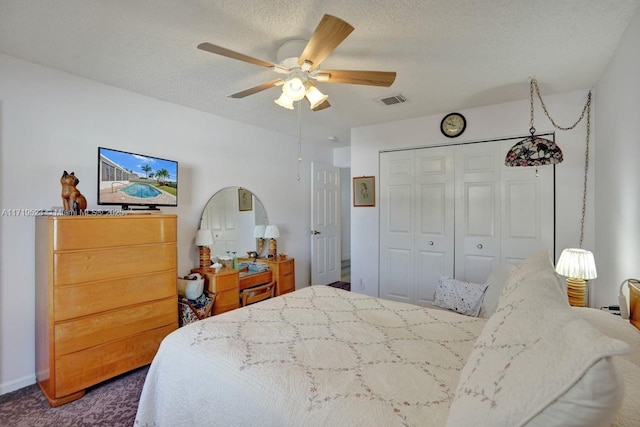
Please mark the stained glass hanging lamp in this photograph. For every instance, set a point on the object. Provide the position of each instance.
(533, 150)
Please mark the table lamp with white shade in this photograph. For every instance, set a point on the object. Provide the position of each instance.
(203, 241)
(271, 232)
(578, 266)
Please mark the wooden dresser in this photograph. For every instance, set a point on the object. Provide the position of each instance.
(105, 297)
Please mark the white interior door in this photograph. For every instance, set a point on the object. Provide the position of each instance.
(325, 223)
(477, 210)
(397, 226)
(434, 220)
(416, 222)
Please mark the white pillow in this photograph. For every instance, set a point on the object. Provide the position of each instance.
(462, 297)
(592, 401)
(535, 357)
(495, 283)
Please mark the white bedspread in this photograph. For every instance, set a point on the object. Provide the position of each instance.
(318, 356)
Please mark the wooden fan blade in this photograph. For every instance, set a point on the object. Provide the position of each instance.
(219, 50)
(256, 89)
(322, 106)
(355, 77)
(331, 31)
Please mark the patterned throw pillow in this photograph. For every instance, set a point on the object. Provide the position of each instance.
(462, 297)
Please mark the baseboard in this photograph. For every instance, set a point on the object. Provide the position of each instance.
(14, 385)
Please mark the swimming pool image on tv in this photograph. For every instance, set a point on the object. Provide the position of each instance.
(142, 191)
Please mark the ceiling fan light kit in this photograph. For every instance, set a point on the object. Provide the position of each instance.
(302, 68)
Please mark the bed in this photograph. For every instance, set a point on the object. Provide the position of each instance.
(325, 356)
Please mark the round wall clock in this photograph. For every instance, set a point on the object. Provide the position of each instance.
(453, 125)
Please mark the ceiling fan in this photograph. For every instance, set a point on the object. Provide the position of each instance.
(301, 70)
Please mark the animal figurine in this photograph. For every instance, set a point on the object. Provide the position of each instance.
(72, 200)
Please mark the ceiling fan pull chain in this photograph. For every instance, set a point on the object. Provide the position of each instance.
(299, 140)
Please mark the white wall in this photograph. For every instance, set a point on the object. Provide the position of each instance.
(51, 121)
(617, 171)
(494, 121)
(345, 213)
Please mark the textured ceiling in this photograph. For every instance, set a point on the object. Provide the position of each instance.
(448, 54)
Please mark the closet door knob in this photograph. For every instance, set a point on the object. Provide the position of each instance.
(430, 242)
(479, 246)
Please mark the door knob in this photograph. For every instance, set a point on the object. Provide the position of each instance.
(314, 232)
(479, 246)
(430, 242)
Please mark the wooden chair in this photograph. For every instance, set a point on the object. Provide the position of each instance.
(259, 293)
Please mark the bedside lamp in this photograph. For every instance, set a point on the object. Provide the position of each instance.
(203, 240)
(272, 232)
(258, 234)
(578, 266)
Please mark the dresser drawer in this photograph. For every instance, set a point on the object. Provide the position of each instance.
(285, 267)
(226, 301)
(94, 297)
(104, 264)
(82, 369)
(223, 281)
(102, 232)
(91, 331)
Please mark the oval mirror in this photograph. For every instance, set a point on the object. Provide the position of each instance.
(232, 215)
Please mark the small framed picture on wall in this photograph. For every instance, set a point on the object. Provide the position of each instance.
(364, 191)
(245, 200)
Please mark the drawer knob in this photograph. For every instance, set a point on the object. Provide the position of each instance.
(479, 246)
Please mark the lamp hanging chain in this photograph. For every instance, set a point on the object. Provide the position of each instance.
(586, 169)
(534, 82)
(532, 129)
(585, 110)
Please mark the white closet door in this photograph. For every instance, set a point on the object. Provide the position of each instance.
(396, 226)
(434, 219)
(458, 211)
(527, 225)
(477, 218)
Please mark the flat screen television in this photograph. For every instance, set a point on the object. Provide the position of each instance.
(136, 181)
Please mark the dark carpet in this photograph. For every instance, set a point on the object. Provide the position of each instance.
(111, 403)
(342, 285)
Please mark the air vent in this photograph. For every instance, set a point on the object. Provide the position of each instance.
(391, 100)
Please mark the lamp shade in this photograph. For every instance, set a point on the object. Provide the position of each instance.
(271, 232)
(258, 231)
(577, 264)
(294, 89)
(315, 97)
(534, 151)
(284, 101)
(204, 238)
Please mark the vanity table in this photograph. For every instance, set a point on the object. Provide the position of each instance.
(228, 285)
(232, 215)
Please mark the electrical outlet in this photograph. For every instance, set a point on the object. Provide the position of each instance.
(361, 284)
